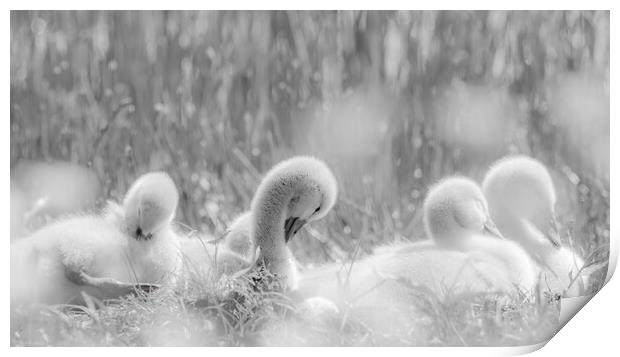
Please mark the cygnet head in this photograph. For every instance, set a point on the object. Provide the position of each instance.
(520, 192)
(295, 191)
(318, 311)
(455, 209)
(150, 204)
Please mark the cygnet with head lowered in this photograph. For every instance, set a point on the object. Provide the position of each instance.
(465, 251)
(294, 192)
(465, 254)
(522, 198)
(102, 254)
(456, 214)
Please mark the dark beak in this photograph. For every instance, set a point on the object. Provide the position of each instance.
(292, 225)
(491, 228)
(141, 236)
(553, 235)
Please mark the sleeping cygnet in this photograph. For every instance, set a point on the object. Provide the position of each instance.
(105, 254)
(465, 252)
(464, 255)
(521, 198)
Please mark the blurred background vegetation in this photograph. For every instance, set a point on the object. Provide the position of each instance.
(392, 101)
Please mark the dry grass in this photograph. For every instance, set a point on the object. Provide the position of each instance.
(246, 313)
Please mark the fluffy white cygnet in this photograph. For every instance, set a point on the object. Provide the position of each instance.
(318, 311)
(456, 217)
(294, 192)
(238, 238)
(465, 253)
(521, 198)
(205, 261)
(132, 243)
(207, 258)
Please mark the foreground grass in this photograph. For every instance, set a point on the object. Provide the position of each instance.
(252, 312)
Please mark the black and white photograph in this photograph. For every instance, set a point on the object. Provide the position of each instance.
(337, 178)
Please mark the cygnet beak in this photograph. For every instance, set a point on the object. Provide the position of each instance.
(141, 236)
(491, 228)
(553, 234)
(292, 225)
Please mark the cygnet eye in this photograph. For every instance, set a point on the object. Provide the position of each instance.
(480, 206)
(317, 209)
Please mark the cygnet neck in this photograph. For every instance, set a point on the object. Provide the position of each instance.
(270, 213)
(532, 239)
(457, 240)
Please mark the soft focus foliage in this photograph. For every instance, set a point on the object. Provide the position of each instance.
(43, 189)
(391, 100)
